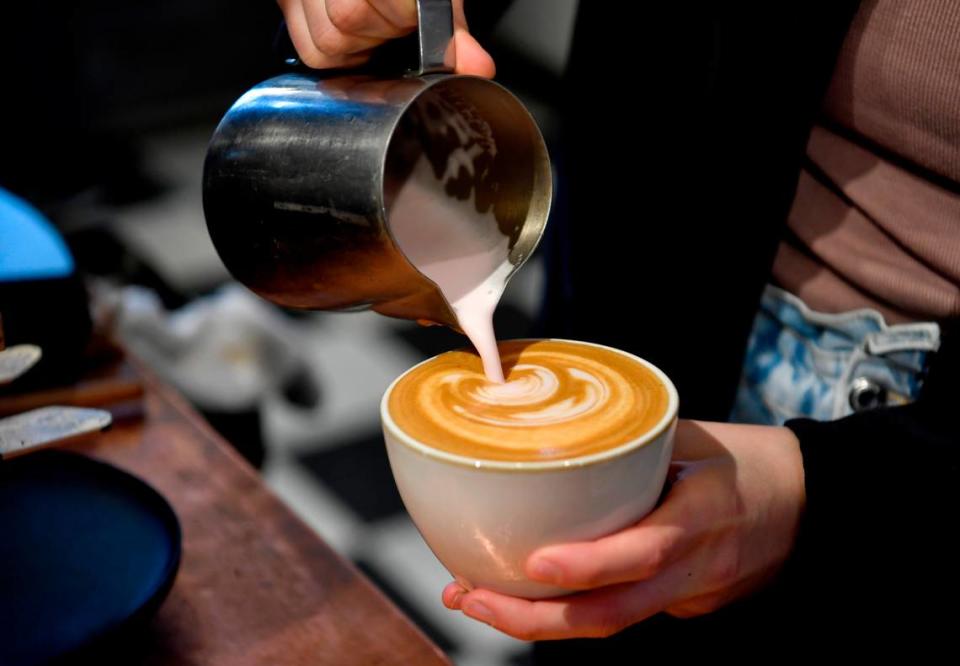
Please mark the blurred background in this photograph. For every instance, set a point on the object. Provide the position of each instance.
(107, 110)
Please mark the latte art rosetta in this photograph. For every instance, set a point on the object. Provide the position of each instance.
(559, 400)
(530, 398)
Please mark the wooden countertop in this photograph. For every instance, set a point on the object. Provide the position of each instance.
(256, 585)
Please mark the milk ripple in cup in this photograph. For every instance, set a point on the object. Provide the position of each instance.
(574, 445)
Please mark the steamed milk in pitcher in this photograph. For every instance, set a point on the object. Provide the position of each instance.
(439, 219)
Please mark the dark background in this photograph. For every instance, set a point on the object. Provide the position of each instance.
(105, 110)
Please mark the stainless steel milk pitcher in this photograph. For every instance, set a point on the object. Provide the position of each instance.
(299, 176)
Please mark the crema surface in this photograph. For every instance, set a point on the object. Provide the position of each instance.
(560, 400)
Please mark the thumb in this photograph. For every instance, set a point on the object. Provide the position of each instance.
(471, 57)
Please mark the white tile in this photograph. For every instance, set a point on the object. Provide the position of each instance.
(354, 358)
(399, 552)
(170, 232)
(541, 30)
(171, 236)
(316, 506)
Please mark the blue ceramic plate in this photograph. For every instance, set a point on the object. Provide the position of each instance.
(85, 551)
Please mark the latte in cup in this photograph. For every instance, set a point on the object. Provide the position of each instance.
(560, 400)
(574, 445)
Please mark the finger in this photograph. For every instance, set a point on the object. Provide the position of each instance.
(308, 52)
(327, 38)
(453, 595)
(636, 553)
(694, 442)
(362, 18)
(594, 614)
(401, 14)
(702, 605)
(471, 57)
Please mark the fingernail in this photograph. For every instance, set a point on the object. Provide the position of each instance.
(457, 598)
(545, 570)
(478, 611)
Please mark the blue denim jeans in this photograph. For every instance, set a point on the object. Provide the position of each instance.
(804, 363)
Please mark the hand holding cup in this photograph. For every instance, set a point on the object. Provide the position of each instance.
(575, 445)
(724, 529)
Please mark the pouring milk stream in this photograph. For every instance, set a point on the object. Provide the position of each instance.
(448, 238)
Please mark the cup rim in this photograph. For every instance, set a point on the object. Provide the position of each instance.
(665, 422)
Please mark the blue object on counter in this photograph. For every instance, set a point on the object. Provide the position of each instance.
(30, 247)
(86, 550)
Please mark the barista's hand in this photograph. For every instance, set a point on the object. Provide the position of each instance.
(725, 527)
(341, 33)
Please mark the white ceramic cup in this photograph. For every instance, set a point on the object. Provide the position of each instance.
(483, 518)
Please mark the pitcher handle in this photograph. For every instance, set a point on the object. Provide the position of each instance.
(435, 31)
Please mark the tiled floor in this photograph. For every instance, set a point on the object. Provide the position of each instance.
(328, 463)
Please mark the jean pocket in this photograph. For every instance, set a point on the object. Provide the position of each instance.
(803, 363)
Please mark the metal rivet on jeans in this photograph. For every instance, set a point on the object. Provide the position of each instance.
(866, 394)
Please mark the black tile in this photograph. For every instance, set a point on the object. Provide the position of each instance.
(242, 429)
(300, 388)
(509, 322)
(358, 472)
(443, 641)
(524, 658)
(99, 251)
